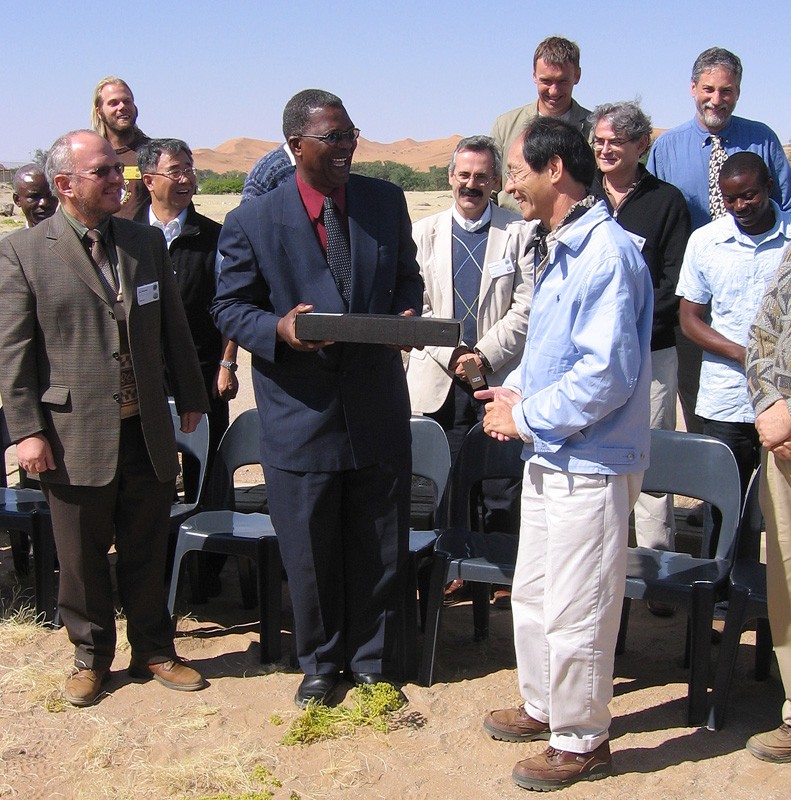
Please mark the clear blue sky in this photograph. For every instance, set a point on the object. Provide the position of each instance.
(209, 71)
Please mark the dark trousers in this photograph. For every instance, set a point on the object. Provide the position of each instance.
(689, 360)
(499, 501)
(344, 539)
(743, 440)
(132, 511)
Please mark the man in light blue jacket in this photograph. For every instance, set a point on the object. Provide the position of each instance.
(580, 402)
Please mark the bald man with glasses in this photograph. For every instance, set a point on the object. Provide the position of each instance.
(89, 321)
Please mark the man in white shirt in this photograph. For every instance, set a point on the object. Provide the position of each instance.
(729, 263)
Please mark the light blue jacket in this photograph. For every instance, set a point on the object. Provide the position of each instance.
(585, 374)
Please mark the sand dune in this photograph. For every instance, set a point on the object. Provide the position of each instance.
(241, 154)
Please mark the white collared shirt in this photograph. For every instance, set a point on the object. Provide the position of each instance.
(472, 225)
(172, 229)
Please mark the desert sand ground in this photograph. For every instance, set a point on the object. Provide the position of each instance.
(143, 741)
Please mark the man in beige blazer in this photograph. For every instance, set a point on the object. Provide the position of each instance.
(84, 331)
(476, 267)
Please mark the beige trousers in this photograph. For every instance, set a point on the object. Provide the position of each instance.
(775, 497)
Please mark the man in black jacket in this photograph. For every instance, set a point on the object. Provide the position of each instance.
(655, 214)
(169, 175)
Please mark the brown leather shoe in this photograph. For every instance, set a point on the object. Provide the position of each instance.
(774, 746)
(174, 674)
(554, 769)
(456, 591)
(84, 686)
(514, 725)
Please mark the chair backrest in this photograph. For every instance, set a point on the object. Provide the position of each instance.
(240, 446)
(430, 454)
(752, 522)
(702, 467)
(194, 445)
(481, 457)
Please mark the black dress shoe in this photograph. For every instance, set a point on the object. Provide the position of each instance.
(315, 687)
(370, 678)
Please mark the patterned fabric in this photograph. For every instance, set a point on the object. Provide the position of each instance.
(339, 257)
(768, 356)
(716, 160)
(101, 261)
(468, 253)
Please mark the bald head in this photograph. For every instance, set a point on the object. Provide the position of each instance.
(33, 194)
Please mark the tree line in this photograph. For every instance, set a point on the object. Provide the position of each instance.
(409, 179)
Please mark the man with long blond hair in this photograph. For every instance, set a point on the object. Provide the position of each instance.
(114, 116)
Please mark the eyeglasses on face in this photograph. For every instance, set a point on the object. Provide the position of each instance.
(102, 173)
(335, 137)
(176, 174)
(615, 144)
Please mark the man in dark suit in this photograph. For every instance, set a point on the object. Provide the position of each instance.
(90, 312)
(335, 417)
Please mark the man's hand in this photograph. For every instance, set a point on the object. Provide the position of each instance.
(458, 358)
(410, 312)
(35, 454)
(226, 384)
(498, 420)
(285, 331)
(774, 425)
(190, 420)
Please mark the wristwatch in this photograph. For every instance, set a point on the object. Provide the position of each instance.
(231, 366)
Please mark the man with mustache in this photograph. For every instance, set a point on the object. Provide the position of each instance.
(690, 155)
(475, 268)
(114, 116)
(728, 265)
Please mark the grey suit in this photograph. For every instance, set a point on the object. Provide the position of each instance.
(60, 376)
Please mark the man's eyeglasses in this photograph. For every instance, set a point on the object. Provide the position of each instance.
(102, 173)
(512, 174)
(615, 144)
(176, 174)
(335, 137)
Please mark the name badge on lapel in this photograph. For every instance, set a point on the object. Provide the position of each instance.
(147, 293)
(502, 267)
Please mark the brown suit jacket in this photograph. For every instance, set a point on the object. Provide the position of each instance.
(59, 344)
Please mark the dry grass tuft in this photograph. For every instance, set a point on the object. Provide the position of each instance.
(39, 681)
(190, 718)
(19, 623)
(231, 771)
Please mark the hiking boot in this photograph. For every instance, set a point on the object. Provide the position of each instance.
(84, 686)
(773, 745)
(514, 725)
(174, 674)
(554, 769)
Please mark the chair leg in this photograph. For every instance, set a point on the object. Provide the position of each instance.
(178, 557)
(436, 592)
(20, 551)
(481, 592)
(44, 569)
(620, 644)
(408, 615)
(701, 618)
(247, 582)
(269, 598)
(726, 660)
(196, 570)
(763, 649)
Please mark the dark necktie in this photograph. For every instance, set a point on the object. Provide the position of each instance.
(716, 160)
(101, 261)
(339, 258)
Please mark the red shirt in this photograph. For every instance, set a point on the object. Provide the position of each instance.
(313, 200)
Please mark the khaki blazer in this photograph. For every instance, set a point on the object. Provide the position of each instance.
(59, 348)
(511, 124)
(503, 302)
